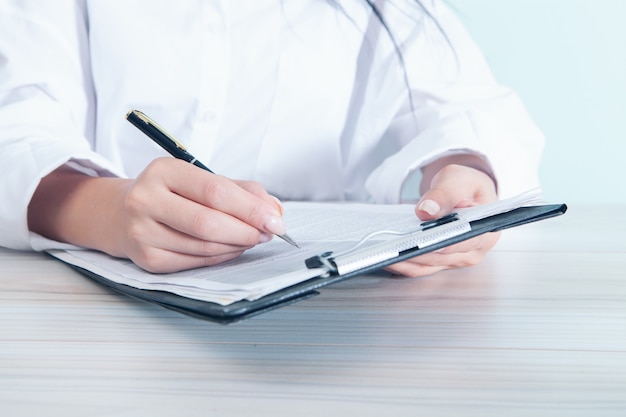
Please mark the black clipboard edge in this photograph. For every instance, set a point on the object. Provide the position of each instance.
(244, 309)
(198, 308)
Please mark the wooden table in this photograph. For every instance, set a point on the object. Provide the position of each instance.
(537, 329)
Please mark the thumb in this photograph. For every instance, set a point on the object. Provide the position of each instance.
(434, 203)
(452, 187)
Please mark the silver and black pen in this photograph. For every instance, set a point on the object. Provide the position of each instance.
(173, 146)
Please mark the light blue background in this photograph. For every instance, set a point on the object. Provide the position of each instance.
(567, 60)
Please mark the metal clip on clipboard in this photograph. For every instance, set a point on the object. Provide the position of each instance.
(357, 258)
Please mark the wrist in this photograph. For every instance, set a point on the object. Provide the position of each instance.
(69, 206)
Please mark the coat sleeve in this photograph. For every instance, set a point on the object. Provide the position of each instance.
(456, 106)
(46, 104)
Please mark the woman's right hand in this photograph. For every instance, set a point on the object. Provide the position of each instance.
(172, 217)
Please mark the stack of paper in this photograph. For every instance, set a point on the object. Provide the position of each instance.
(266, 268)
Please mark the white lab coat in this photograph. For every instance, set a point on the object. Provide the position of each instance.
(307, 97)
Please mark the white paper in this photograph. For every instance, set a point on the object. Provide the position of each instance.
(268, 267)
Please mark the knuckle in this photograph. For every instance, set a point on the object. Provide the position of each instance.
(136, 201)
(256, 212)
(203, 225)
(410, 269)
(158, 165)
(472, 259)
(150, 260)
(251, 238)
(215, 260)
(206, 227)
(255, 187)
(151, 170)
(215, 190)
(139, 197)
(207, 248)
(215, 250)
(134, 234)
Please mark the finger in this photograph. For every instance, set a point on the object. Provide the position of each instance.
(448, 260)
(221, 194)
(160, 261)
(455, 186)
(482, 243)
(147, 204)
(158, 248)
(463, 254)
(258, 190)
(204, 223)
(434, 262)
(163, 237)
(413, 270)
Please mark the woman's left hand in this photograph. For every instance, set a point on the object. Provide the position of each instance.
(452, 186)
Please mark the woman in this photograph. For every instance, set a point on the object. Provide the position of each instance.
(309, 99)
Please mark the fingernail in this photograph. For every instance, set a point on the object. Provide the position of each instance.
(275, 225)
(429, 206)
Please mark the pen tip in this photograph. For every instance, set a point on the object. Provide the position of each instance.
(289, 240)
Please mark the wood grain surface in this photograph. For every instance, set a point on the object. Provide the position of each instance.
(537, 329)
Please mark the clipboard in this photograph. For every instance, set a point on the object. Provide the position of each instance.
(431, 236)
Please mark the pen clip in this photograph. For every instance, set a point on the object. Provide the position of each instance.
(147, 120)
